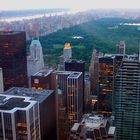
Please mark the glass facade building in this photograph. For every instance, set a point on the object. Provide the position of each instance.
(126, 107)
(13, 58)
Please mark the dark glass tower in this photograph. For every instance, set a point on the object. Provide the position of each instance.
(79, 66)
(13, 59)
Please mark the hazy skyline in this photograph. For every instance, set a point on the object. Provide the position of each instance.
(72, 4)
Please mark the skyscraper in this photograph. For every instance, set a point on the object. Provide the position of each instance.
(94, 71)
(13, 58)
(102, 73)
(79, 66)
(127, 101)
(46, 108)
(35, 61)
(71, 84)
(19, 118)
(106, 83)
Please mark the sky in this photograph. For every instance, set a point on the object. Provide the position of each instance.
(72, 4)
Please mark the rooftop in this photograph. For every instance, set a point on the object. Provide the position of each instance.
(5, 32)
(35, 43)
(9, 103)
(93, 120)
(93, 126)
(37, 95)
(74, 74)
(67, 46)
(74, 61)
(71, 74)
(43, 72)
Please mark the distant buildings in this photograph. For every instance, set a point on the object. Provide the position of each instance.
(13, 58)
(93, 126)
(34, 112)
(126, 106)
(35, 61)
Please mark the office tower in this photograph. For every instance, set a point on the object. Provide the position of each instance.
(127, 101)
(87, 90)
(35, 61)
(74, 97)
(121, 47)
(71, 84)
(62, 120)
(106, 80)
(13, 58)
(94, 71)
(108, 68)
(67, 52)
(79, 66)
(1, 81)
(47, 113)
(93, 126)
(19, 118)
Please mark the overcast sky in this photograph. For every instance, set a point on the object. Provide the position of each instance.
(73, 4)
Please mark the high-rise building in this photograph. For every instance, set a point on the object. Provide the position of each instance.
(19, 118)
(62, 118)
(121, 47)
(102, 73)
(108, 68)
(71, 84)
(67, 52)
(106, 86)
(127, 101)
(46, 108)
(1, 81)
(93, 126)
(94, 71)
(79, 66)
(35, 61)
(13, 60)
(87, 91)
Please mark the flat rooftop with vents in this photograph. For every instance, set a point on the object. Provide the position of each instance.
(10, 103)
(37, 95)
